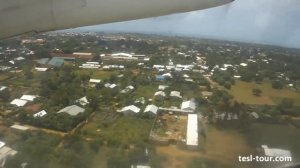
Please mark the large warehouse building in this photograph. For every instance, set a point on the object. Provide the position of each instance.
(192, 132)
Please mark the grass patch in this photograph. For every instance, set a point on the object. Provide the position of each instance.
(242, 92)
(3, 77)
(146, 91)
(96, 73)
(123, 130)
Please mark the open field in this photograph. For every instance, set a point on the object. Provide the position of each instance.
(222, 147)
(3, 77)
(242, 92)
(122, 130)
(146, 91)
(170, 127)
(96, 74)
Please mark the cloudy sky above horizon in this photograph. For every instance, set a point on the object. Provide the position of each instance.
(275, 22)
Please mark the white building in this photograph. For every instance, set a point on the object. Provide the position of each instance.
(192, 132)
(83, 101)
(19, 127)
(2, 88)
(127, 89)
(188, 105)
(40, 69)
(151, 109)
(130, 110)
(40, 114)
(95, 81)
(28, 97)
(162, 87)
(72, 110)
(175, 94)
(243, 64)
(19, 102)
(160, 94)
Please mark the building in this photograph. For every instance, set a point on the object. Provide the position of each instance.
(94, 82)
(160, 94)
(125, 56)
(74, 56)
(18, 102)
(2, 88)
(28, 97)
(188, 105)
(130, 110)
(40, 69)
(56, 62)
(127, 89)
(83, 101)
(109, 85)
(151, 109)
(90, 65)
(40, 114)
(243, 64)
(72, 110)
(162, 87)
(175, 94)
(19, 127)
(192, 132)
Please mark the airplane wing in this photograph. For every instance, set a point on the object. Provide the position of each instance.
(23, 16)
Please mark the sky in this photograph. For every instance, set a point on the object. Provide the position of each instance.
(275, 22)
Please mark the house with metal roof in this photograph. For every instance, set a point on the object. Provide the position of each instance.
(18, 102)
(159, 94)
(152, 109)
(57, 62)
(28, 97)
(162, 87)
(188, 105)
(175, 94)
(192, 132)
(130, 110)
(72, 110)
(83, 101)
(40, 114)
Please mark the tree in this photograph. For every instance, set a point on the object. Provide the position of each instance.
(227, 85)
(5, 95)
(286, 106)
(118, 161)
(28, 74)
(276, 84)
(94, 101)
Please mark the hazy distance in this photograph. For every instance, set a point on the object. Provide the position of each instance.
(274, 22)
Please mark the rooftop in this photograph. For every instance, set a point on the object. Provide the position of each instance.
(192, 130)
(72, 110)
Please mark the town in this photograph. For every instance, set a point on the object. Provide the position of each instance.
(92, 100)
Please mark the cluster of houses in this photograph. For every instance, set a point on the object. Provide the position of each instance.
(188, 107)
(23, 100)
(72, 110)
(177, 67)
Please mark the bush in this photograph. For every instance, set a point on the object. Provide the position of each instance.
(277, 84)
